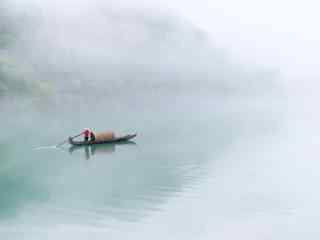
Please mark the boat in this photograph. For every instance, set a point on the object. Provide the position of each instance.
(120, 139)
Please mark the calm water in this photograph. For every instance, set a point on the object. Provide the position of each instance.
(201, 167)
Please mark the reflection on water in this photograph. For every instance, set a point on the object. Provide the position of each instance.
(98, 149)
(124, 183)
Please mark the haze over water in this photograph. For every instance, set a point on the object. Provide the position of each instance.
(224, 149)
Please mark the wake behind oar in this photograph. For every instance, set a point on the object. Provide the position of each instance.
(59, 145)
(45, 147)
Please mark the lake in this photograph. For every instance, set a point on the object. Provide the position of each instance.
(202, 166)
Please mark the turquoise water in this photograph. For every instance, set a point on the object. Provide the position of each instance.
(197, 162)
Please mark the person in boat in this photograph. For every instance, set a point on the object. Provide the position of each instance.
(88, 134)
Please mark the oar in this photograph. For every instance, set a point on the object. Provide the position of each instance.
(65, 141)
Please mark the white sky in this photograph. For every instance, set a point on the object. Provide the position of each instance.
(282, 32)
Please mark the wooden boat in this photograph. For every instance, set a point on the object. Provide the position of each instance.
(124, 138)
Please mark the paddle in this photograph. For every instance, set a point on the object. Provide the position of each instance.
(65, 141)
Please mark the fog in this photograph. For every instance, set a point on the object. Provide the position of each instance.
(72, 36)
(97, 46)
(223, 96)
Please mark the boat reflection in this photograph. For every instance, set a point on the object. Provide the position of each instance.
(98, 149)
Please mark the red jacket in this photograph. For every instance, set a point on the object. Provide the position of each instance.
(86, 133)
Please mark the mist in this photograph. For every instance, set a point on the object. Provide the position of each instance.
(222, 95)
(102, 48)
